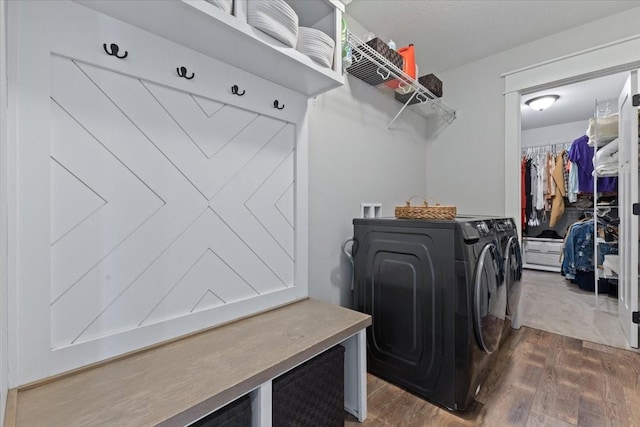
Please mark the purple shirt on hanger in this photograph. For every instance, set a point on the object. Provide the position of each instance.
(581, 154)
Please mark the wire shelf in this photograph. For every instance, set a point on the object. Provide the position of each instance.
(367, 60)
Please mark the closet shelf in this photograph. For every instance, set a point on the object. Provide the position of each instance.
(601, 240)
(590, 208)
(606, 175)
(368, 60)
(601, 272)
(604, 274)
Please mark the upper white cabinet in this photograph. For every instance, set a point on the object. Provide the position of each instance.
(203, 27)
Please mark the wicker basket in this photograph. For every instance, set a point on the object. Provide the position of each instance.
(366, 70)
(430, 82)
(312, 394)
(235, 414)
(425, 211)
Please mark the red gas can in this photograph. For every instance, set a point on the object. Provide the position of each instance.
(409, 66)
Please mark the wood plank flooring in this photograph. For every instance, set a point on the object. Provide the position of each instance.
(539, 379)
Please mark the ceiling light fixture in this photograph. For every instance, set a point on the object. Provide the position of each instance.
(542, 102)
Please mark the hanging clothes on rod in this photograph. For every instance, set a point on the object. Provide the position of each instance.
(544, 174)
(559, 191)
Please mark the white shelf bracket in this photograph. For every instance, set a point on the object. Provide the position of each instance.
(402, 109)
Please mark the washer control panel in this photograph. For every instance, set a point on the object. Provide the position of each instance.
(504, 224)
(482, 227)
(474, 230)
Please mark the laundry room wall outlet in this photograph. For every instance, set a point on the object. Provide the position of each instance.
(370, 210)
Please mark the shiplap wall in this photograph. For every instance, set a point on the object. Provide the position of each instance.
(158, 205)
(135, 242)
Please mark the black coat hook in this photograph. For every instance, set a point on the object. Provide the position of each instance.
(182, 72)
(276, 104)
(114, 50)
(234, 90)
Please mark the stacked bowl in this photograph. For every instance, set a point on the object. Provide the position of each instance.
(316, 45)
(274, 17)
(225, 5)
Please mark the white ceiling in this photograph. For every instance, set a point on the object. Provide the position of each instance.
(576, 102)
(447, 34)
(450, 33)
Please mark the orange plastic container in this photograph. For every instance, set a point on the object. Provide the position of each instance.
(409, 66)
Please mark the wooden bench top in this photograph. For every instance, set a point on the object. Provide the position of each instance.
(177, 382)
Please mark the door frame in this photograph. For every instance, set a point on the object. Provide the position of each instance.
(628, 181)
(4, 229)
(614, 57)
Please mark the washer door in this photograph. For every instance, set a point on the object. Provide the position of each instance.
(490, 299)
(513, 274)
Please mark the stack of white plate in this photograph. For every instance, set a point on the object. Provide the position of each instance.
(274, 17)
(316, 45)
(225, 5)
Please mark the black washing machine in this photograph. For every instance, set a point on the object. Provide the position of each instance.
(437, 301)
(507, 233)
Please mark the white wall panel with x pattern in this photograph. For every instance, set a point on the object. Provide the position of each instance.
(154, 205)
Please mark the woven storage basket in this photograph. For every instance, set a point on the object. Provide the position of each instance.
(430, 82)
(366, 70)
(312, 394)
(235, 414)
(425, 211)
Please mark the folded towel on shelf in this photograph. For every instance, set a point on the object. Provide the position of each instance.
(607, 130)
(606, 160)
(606, 170)
(607, 155)
(611, 264)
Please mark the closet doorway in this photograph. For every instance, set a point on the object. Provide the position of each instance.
(559, 204)
(614, 57)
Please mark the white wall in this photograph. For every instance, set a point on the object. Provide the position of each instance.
(466, 161)
(353, 158)
(556, 134)
(3, 213)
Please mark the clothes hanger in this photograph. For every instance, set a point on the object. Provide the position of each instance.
(606, 110)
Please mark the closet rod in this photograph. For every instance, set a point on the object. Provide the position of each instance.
(539, 149)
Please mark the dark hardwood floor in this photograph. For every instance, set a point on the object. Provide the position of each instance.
(539, 379)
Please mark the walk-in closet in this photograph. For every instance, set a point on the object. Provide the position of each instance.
(579, 180)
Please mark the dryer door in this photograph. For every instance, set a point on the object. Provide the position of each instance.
(513, 273)
(490, 299)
